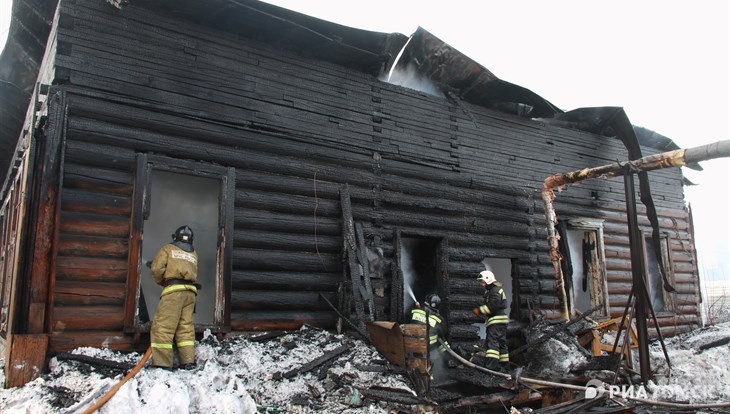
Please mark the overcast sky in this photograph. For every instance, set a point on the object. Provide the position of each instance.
(667, 63)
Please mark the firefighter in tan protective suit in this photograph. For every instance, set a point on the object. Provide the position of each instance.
(175, 268)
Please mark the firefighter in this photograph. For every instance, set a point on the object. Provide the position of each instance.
(175, 268)
(495, 303)
(437, 329)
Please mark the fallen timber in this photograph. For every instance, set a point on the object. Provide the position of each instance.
(526, 381)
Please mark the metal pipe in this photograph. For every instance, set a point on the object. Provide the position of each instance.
(637, 273)
(676, 158)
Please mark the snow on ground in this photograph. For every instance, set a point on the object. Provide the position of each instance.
(696, 376)
(238, 375)
(234, 376)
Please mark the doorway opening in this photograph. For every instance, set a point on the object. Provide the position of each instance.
(421, 270)
(177, 200)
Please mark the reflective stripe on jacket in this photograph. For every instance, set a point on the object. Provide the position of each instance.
(495, 303)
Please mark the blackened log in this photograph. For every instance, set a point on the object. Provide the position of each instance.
(265, 260)
(97, 155)
(266, 336)
(97, 179)
(88, 202)
(258, 239)
(66, 356)
(292, 223)
(382, 395)
(273, 280)
(287, 203)
(279, 300)
(329, 355)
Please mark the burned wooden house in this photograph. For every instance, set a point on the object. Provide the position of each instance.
(322, 186)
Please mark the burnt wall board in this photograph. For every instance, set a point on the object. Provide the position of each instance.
(296, 129)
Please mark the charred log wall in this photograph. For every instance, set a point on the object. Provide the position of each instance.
(296, 129)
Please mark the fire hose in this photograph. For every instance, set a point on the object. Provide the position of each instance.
(103, 400)
(535, 381)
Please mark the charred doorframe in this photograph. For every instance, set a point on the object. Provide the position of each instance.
(596, 226)
(425, 242)
(145, 165)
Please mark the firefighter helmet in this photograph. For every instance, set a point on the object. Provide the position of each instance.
(183, 234)
(487, 277)
(433, 301)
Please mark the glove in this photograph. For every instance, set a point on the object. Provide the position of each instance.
(476, 311)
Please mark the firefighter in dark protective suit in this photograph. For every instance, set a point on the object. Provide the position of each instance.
(495, 303)
(175, 267)
(430, 315)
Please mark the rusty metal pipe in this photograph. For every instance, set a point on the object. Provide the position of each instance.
(676, 158)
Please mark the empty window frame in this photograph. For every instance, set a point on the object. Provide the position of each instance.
(170, 193)
(584, 265)
(661, 300)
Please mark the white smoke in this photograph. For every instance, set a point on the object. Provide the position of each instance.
(410, 78)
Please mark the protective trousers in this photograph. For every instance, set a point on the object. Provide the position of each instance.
(173, 322)
(497, 342)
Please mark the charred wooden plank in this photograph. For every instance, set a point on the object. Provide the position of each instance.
(392, 396)
(329, 355)
(67, 356)
(266, 336)
(359, 295)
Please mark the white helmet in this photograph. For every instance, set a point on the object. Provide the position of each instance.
(487, 276)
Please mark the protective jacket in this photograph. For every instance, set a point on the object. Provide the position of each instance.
(437, 328)
(176, 270)
(495, 303)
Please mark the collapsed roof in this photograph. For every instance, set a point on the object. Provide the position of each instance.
(370, 52)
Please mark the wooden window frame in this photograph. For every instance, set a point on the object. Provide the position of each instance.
(593, 224)
(670, 304)
(145, 164)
